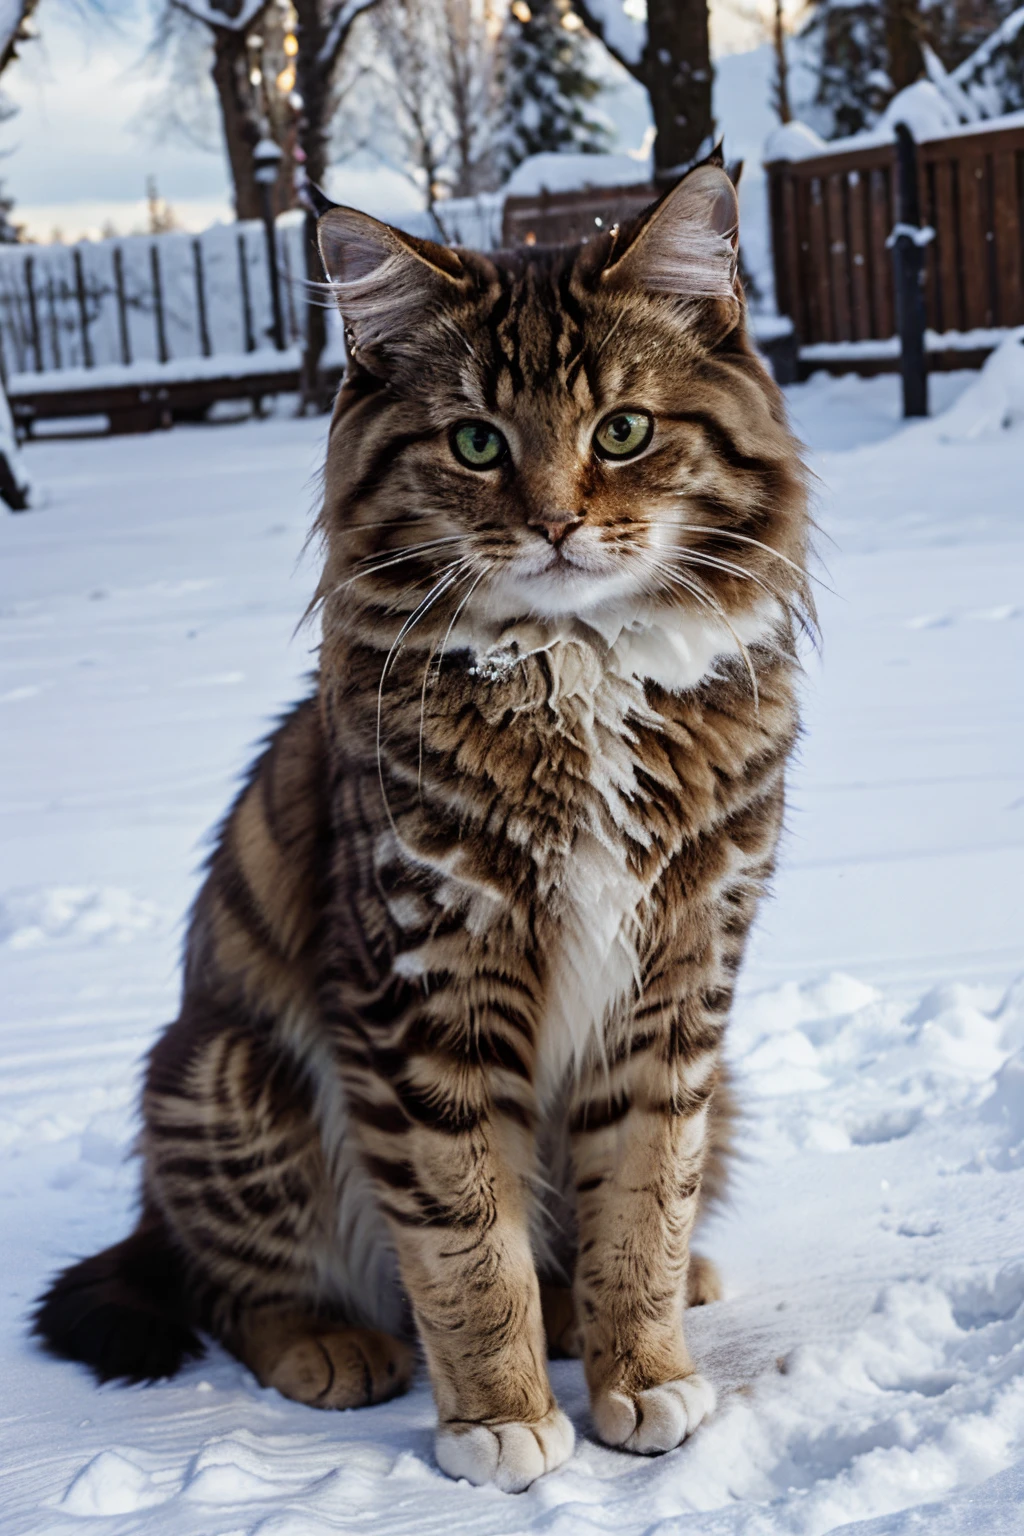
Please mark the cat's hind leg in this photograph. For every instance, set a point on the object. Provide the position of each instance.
(561, 1328)
(324, 1364)
(236, 1165)
(703, 1282)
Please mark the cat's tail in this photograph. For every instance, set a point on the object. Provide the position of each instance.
(123, 1312)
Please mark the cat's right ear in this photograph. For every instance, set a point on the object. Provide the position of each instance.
(686, 245)
(383, 281)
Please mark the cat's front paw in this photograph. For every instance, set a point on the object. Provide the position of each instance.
(511, 1456)
(654, 1420)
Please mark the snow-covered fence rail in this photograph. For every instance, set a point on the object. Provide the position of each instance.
(142, 326)
(832, 218)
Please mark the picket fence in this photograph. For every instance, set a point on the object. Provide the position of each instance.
(148, 326)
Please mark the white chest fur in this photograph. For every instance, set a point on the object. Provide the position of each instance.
(595, 676)
(596, 897)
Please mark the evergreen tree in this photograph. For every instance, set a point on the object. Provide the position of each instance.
(992, 76)
(848, 43)
(955, 29)
(547, 87)
(864, 51)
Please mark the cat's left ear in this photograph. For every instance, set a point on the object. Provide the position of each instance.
(383, 280)
(687, 246)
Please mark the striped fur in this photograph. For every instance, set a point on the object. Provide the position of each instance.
(457, 981)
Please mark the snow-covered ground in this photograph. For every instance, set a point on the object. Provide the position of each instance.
(870, 1351)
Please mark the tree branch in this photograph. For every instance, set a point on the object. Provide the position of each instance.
(212, 16)
(10, 27)
(596, 27)
(338, 29)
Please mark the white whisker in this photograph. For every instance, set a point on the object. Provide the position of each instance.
(392, 558)
(485, 572)
(428, 602)
(462, 574)
(725, 533)
(711, 602)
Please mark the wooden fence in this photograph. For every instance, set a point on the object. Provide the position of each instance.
(832, 216)
(563, 218)
(145, 327)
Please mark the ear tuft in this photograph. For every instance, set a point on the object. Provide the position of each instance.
(382, 278)
(687, 245)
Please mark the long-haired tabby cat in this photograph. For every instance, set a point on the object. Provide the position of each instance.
(448, 1063)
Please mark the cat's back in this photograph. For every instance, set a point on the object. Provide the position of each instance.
(255, 920)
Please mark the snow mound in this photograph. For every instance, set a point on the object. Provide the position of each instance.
(836, 1065)
(793, 141)
(1005, 1108)
(923, 108)
(566, 173)
(111, 1484)
(74, 914)
(995, 400)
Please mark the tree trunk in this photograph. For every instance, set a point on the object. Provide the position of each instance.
(782, 103)
(678, 75)
(241, 127)
(313, 82)
(903, 42)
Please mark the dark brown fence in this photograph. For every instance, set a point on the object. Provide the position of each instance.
(563, 218)
(832, 216)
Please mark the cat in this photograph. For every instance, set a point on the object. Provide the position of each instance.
(456, 984)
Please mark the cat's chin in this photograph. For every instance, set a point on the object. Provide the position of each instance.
(559, 591)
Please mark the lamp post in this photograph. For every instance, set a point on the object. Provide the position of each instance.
(266, 161)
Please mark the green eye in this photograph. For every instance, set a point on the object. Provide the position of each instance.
(624, 434)
(478, 445)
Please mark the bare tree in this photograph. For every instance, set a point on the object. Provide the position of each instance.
(903, 33)
(470, 64)
(780, 85)
(323, 33)
(274, 67)
(230, 23)
(436, 68)
(669, 53)
(15, 486)
(14, 29)
(404, 73)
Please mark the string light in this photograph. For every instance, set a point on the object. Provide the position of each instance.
(291, 42)
(286, 81)
(255, 77)
(521, 11)
(571, 22)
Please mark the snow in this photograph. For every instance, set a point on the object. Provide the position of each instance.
(964, 109)
(973, 340)
(213, 16)
(996, 400)
(934, 120)
(550, 172)
(924, 110)
(10, 451)
(11, 12)
(623, 25)
(977, 79)
(225, 365)
(869, 1354)
(793, 141)
(227, 320)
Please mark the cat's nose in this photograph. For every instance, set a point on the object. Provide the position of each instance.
(555, 525)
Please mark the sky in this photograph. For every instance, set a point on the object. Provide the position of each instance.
(77, 154)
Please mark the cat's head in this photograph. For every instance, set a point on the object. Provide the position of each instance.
(553, 432)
